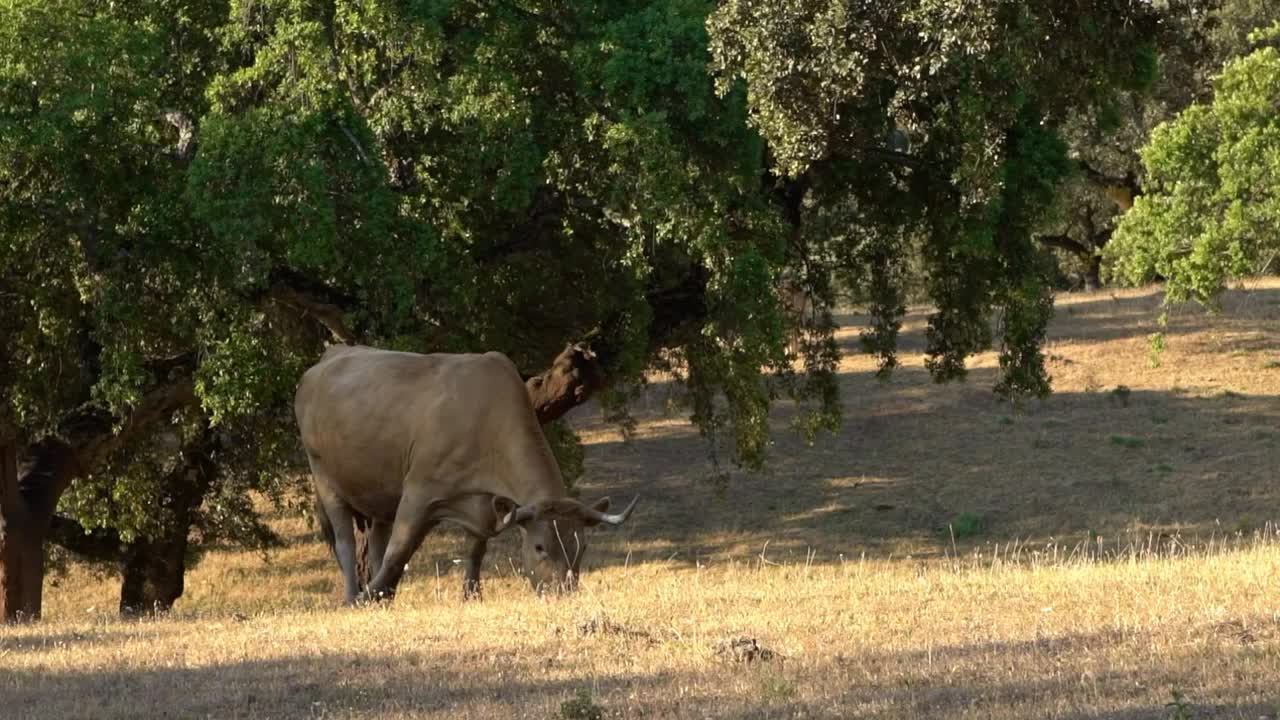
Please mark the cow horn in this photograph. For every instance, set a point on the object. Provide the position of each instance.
(520, 514)
(611, 518)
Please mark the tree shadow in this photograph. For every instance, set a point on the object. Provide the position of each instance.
(33, 639)
(913, 460)
(1003, 678)
(430, 682)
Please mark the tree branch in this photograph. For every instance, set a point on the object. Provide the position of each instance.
(364, 158)
(186, 146)
(328, 314)
(1063, 242)
(86, 437)
(1121, 190)
(584, 368)
(100, 545)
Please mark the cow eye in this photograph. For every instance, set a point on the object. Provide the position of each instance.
(537, 548)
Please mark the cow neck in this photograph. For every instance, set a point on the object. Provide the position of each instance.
(532, 472)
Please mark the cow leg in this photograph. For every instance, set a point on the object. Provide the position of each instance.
(413, 522)
(476, 547)
(344, 544)
(379, 536)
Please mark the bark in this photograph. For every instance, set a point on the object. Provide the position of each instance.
(327, 314)
(1120, 190)
(1093, 272)
(185, 148)
(29, 495)
(98, 545)
(154, 568)
(1064, 242)
(1089, 256)
(21, 559)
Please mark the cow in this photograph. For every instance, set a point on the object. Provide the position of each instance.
(407, 440)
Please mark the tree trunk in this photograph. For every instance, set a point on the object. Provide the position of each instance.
(154, 569)
(28, 498)
(154, 572)
(21, 549)
(1093, 272)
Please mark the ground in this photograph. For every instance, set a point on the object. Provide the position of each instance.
(1110, 552)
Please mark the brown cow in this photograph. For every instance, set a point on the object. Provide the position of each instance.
(409, 440)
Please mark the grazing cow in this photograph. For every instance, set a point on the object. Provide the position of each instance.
(409, 440)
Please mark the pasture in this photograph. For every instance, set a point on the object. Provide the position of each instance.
(1108, 553)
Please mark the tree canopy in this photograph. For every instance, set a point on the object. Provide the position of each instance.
(1210, 211)
(196, 198)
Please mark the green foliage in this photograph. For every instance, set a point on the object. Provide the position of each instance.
(1179, 708)
(581, 707)
(936, 128)
(1156, 345)
(967, 525)
(1127, 441)
(1209, 214)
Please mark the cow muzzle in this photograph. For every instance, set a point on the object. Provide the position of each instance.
(558, 585)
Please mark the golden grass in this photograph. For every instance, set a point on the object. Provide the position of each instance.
(1123, 551)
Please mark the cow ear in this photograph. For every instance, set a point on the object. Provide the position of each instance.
(504, 513)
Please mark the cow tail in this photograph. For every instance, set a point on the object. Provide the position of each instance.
(326, 526)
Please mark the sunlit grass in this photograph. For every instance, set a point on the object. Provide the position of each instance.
(1010, 631)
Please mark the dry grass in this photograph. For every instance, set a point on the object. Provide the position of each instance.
(1113, 548)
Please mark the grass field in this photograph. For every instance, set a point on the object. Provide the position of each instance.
(942, 556)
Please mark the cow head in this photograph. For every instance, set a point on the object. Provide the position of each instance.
(554, 536)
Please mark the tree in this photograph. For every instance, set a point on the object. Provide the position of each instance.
(936, 126)
(1194, 40)
(195, 203)
(196, 200)
(105, 307)
(1209, 211)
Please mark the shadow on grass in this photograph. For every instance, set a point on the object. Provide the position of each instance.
(436, 683)
(1001, 679)
(914, 461)
(31, 639)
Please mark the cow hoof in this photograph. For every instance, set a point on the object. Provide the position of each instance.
(374, 597)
